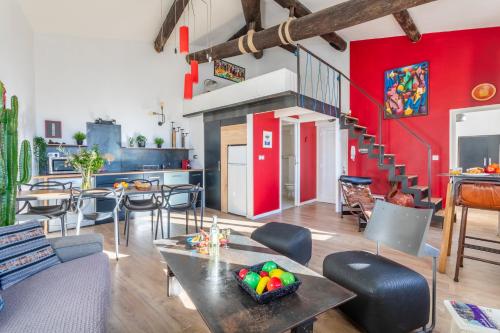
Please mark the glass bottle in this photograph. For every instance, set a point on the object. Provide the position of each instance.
(214, 237)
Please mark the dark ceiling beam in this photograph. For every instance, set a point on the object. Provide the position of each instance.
(328, 20)
(299, 10)
(251, 11)
(243, 31)
(168, 25)
(406, 23)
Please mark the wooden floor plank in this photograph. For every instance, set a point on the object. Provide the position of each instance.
(139, 302)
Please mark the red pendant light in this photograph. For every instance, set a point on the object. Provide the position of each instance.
(184, 39)
(194, 71)
(188, 86)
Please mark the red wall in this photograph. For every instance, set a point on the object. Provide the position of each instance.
(307, 161)
(458, 61)
(266, 173)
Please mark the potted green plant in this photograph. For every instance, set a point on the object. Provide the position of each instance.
(87, 162)
(141, 141)
(131, 142)
(159, 142)
(79, 137)
(40, 152)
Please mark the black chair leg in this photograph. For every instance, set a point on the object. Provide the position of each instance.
(63, 225)
(127, 224)
(168, 223)
(187, 221)
(152, 220)
(195, 219)
(161, 221)
(156, 231)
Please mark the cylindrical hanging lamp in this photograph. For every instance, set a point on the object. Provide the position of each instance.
(184, 39)
(188, 86)
(194, 71)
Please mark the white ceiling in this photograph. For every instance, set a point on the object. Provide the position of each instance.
(140, 20)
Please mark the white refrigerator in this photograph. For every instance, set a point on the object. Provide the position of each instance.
(237, 180)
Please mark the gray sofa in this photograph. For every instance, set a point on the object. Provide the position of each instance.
(70, 297)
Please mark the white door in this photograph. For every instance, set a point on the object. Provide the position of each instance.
(237, 180)
(326, 164)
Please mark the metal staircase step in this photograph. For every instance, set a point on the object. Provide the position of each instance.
(351, 119)
(378, 145)
(359, 127)
(420, 188)
(436, 203)
(366, 135)
(398, 166)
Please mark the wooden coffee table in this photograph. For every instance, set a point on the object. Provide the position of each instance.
(225, 307)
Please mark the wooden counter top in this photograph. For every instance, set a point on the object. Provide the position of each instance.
(77, 175)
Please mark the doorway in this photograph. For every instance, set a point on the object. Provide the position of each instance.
(474, 142)
(290, 163)
(326, 163)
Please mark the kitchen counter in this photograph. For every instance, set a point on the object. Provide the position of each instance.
(114, 173)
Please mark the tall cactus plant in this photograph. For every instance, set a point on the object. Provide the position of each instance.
(11, 166)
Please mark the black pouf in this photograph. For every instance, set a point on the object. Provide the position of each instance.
(287, 239)
(390, 297)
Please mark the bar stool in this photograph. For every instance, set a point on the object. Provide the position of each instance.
(480, 195)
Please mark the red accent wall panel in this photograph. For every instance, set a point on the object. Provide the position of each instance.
(307, 161)
(266, 173)
(458, 61)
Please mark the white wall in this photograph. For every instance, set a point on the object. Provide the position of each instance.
(81, 79)
(16, 63)
(479, 123)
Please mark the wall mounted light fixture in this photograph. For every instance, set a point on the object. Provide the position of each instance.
(160, 114)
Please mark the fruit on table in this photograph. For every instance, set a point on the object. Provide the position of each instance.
(261, 286)
(120, 184)
(287, 278)
(263, 273)
(276, 272)
(475, 170)
(252, 279)
(242, 273)
(490, 169)
(269, 266)
(274, 283)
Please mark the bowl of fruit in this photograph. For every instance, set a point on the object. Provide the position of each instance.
(266, 282)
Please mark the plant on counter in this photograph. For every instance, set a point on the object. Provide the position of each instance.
(79, 137)
(141, 141)
(131, 142)
(87, 162)
(11, 166)
(159, 142)
(40, 151)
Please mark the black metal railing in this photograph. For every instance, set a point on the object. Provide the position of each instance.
(307, 57)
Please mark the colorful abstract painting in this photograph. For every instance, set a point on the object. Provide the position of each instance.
(407, 91)
(229, 71)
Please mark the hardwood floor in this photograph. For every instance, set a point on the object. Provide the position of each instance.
(139, 302)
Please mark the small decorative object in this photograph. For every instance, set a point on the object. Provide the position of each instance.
(229, 71)
(194, 71)
(483, 92)
(159, 142)
(142, 186)
(264, 288)
(87, 162)
(79, 137)
(40, 153)
(209, 85)
(105, 122)
(184, 39)
(14, 169)
(160, 114)
(267, 139)
(406, 91)
(188, 86)
(141, 141)
(53, 129)
(174, 136)
(131, 142)
(183, 138)
(397, 197)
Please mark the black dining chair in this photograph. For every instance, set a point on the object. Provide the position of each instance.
(59, 210)
(148, 203)
(180, 198)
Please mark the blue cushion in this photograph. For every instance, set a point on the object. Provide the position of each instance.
(24, 251)
(355, 180)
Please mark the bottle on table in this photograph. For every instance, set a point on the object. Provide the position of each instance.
(214, 237)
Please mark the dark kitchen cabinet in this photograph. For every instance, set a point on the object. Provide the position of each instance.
(212, 164)
(195, 178)
(478, 151)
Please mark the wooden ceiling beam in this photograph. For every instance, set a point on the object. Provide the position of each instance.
(328, 20)
(243, 31)
(169, 24)
(251, 11)
(406, 23)
(299, 10)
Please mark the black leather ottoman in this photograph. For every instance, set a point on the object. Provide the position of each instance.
(287, 239)
(391, 297)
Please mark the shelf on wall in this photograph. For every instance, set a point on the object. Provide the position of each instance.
(154, 148)
(65, 145)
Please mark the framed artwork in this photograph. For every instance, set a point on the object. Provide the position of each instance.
(53, 129)
(267, 139)
(229, 71)
(406, 91)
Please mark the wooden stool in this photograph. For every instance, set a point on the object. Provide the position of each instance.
(480, 195)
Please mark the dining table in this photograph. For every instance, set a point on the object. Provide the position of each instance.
(454, 182)
(46, 195)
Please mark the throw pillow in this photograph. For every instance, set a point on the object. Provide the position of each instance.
(24, 251)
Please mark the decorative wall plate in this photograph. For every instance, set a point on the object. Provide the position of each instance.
(483, 92)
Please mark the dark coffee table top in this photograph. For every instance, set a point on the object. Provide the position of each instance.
(225, 307)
